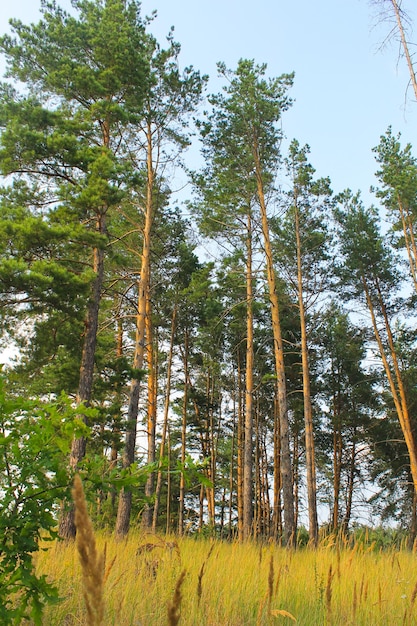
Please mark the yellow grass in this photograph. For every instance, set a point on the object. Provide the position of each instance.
(236, 585)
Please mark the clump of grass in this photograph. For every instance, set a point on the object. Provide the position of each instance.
(92, 563)
(174, 608)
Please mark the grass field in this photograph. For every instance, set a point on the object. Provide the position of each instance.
(151, 581)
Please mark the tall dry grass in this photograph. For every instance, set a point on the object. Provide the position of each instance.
(190, 582)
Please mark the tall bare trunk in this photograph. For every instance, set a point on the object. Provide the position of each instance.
(257, 499)
(265, 488)
(169, 494)
(213, 438)
(350, 485)
(67, 529)
(114, 452)
(181, 502)
(337, 459)
(248, 440)
(232, 462)
(277, 517)
(125, 496)
(151, 360)
(240, 448)
(308, 414)
(286, 469)
(296, 477)
(165, 421)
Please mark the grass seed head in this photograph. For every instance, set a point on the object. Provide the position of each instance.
(174, 608)
(92, 564)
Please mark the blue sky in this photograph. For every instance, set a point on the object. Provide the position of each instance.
(347, 91)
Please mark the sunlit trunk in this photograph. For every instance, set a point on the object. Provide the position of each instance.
(125, 496)
(286, 469)
(151, 360)
(394, 377)
(248, 439)
(313, 528)
(183, 435)
(164, 434)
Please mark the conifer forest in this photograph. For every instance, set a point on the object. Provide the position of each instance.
(261, 390)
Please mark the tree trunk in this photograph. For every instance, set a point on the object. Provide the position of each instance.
(248, 438)
(296, 478)
(210, 450)
(165, 421)
(286, 469)
(404, 44)
(213, 452)
(337, 459)
(66, 527)
(277, 517)
(413, 524)
(240, 448)
(308, 414)
(125, 497)
(257, 500)
(201, 509)
(183, 435)
(394, 378)
(232, 465)
(168, 518)
(409, 239)
(114, 452)
(350, 486)
(152, 361)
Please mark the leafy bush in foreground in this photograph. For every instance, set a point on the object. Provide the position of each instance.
(35, 437)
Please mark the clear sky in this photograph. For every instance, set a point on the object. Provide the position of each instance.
(347, 91)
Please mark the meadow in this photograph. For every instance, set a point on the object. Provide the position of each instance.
(153, 580)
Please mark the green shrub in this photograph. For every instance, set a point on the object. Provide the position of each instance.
(35, 439)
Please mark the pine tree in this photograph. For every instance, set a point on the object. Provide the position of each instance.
(398, 177)
(86, 76)
(369, 274)
(169, 102)
(302, 253)
(241, 142)
(349, 402)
